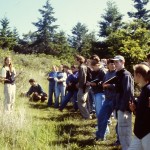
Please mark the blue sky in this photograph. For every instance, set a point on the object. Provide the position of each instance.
(21, 13)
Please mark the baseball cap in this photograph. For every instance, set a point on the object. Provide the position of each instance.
(119, 57)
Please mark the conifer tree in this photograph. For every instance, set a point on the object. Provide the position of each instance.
(111, 20)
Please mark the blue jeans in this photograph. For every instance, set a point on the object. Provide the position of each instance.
(91, 101)
(103, 118)
(98, 99)
(59, 89)
(67, 98)
(51, 93)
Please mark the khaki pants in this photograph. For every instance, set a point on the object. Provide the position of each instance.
(82, 103)
(124, 128)
(9, 93)
(140, 144)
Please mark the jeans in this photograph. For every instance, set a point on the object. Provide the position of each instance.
(91, 101)
(140, 144)
(98, 99)
(124, 128)
(59, 89)
(67, 98)
(103, 117)
(51, 93)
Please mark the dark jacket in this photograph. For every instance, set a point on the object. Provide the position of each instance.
(36, 88)
(99, 77)
(124, 89)
(110, 92)
(142, 119)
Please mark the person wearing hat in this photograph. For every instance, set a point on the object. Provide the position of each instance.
(124, 93)
(36, 92)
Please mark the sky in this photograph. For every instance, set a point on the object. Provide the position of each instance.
(22, 13)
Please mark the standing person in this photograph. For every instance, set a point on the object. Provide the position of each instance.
(107, 107)
(51, 80)
(141, 109)
(60, 86)
(82, 89)
(8, 76)
(124, 93)
(96, 84)
(72, 90)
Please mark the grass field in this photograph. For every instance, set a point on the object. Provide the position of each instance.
(34, 126)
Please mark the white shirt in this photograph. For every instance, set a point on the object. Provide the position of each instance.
(5, 69)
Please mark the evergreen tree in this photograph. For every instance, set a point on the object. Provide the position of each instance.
(45, 28)
(111, 20)
(7, 37)
(141, 13)
(79, 32)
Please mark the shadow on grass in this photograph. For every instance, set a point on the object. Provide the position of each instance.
(38, 105)
(82, 144)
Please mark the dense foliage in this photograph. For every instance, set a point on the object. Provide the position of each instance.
(130, 39)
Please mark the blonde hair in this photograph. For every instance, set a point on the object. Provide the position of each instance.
(143, 70)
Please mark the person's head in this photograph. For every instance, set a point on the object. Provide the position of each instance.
(65, 68)
(54, 68)
(141, 74)
(148, 58)
(111, 65)
(95, 65)
(119, 62)
(95, 57)
(7, 61)
(88, 62)
(79, 59)
(32, 82)
(60, 68)
(74, 68)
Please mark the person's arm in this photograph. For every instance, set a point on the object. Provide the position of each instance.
(30, 91)
(82, 77)
(3, 75)
(40, 90)
(128, 92)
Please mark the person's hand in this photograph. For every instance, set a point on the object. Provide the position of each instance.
(132, 106)
(35, 93)
(55, 79)
(69, 84)
(105, 85)
(88, 83)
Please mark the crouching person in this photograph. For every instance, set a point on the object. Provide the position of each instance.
(36, 92)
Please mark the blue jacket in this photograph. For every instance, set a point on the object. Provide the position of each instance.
(73, 79)
(51, 80)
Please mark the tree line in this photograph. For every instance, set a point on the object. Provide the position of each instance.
(131, 39)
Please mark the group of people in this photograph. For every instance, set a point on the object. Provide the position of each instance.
(105, 89)
(96, 87)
